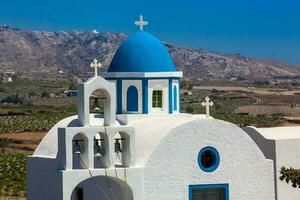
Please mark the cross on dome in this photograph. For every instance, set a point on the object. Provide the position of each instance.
(207, 104)
(141, 23)
(95, 64)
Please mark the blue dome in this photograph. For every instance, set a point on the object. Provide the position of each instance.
(142, 52)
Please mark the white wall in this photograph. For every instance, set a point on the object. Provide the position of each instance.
(43, 179)
(173, 165)
(158, 85)
(125, 85)
(287, 155)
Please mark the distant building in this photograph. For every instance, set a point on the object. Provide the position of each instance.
(94, 31)
(72, 93)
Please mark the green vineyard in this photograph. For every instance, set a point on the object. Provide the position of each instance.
(257, 121)
(12, 175)
(40, 121)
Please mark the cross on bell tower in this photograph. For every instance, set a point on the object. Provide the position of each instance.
(141, 23)
(207, 104)
(95, 64)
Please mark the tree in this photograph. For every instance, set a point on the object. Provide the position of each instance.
(290, 175)
(45, 94)
(32, 94)
(189, 108)
(73, 86)
(14, 99)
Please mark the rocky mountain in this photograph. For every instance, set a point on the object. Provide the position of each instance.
(40, 53)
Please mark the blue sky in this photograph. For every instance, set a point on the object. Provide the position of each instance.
(257, 28)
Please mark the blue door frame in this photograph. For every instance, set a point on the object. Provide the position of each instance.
(210, 186)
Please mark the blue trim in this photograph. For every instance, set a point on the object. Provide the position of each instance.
(145, 96)
(145, 91)
(132, 99)
(140, 78)
(216, 159)
(210, 186)
(170, 97)
(175, 107)
(119, 96)
(179, 95)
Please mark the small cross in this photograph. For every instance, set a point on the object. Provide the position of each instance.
(95, 64)
(141, 23)
(207, 104)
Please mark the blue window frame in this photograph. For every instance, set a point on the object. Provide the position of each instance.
(132, 99)
(208, 159)
(225, 187)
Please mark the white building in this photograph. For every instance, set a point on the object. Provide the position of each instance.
(143, 148)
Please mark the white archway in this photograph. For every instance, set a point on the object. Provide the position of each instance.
(84, 92)
(102, 187)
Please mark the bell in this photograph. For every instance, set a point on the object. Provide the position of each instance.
(118, 148)
(96, 105)
(98, 150)
(77, 149)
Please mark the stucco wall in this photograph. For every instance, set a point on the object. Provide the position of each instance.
(287, 155)
(173, 165)
(43, 179)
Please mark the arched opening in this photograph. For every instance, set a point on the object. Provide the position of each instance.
(102, 187)
(175, 96)
(80, 151)
(132, 99)
(122, 150)
(97, 100)
(99, 103)
(107, 95)
(101, 151)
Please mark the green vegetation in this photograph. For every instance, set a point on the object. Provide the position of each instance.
(290, 175)
(34, 120)
(12, 175)
(224, 105)
(243, 120)
(31, 87)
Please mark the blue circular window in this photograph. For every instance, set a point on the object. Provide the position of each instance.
(208, 159)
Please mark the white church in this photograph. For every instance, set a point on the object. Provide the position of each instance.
(143, 148)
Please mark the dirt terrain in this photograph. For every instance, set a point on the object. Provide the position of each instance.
(12, 198)
(285, 110)
(25, 142)
(265, 91)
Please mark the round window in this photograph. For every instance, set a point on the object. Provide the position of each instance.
(208, 159)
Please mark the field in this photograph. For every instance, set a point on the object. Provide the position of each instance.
(23, 87)
(12, 175)
(37, 120)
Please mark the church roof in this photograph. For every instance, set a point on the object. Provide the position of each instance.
(279, 133)
(142, 52)
(148, 132)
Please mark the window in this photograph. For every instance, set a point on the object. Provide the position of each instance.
(208, 159)
(157, 99)
(209, 192)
